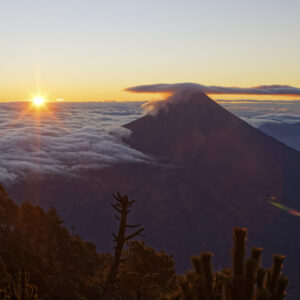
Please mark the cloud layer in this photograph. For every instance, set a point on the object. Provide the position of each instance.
(280, 119)
(79, 136)
(178, 87)
(259, 120)
(70, 138)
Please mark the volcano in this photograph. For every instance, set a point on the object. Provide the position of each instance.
(236, 166)
(210, 171)
(228, 170)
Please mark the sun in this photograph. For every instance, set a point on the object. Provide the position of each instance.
(38, 101)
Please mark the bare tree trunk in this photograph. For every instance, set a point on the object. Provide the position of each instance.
(122, 208)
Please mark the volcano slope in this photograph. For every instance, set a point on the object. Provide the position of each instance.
(211, 171)
(223, 173)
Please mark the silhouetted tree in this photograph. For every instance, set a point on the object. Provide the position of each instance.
(246, 280)
(19, 288)
(145, 273)
(121, 206)
(61, 266)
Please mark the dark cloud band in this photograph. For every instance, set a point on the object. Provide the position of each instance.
(283, 90)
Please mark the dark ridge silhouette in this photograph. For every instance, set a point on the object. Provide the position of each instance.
(212, 172)
(40, 259)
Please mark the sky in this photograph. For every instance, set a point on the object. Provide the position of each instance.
(92, 50)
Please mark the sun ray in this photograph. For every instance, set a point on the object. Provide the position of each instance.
(39, 110)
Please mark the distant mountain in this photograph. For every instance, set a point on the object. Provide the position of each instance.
(285, 132)
(211, 171)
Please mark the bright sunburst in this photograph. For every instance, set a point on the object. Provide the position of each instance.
(39, 101)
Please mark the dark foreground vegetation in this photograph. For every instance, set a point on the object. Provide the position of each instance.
(40, 259)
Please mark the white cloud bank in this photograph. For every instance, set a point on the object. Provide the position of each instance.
(73, 137)
(278, 118)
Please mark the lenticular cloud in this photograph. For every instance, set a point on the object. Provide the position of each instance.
(71, 138)
(179, 91)
(284, 90)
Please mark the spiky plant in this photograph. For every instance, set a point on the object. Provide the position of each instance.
(246, 280)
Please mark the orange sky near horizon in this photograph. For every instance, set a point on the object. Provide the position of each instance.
(127, 96)
(118, 93)
(95, 50)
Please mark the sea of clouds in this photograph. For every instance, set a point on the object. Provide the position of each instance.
(67, 138)
(64, 138)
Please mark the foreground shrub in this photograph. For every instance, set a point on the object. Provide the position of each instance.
(246, 280)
